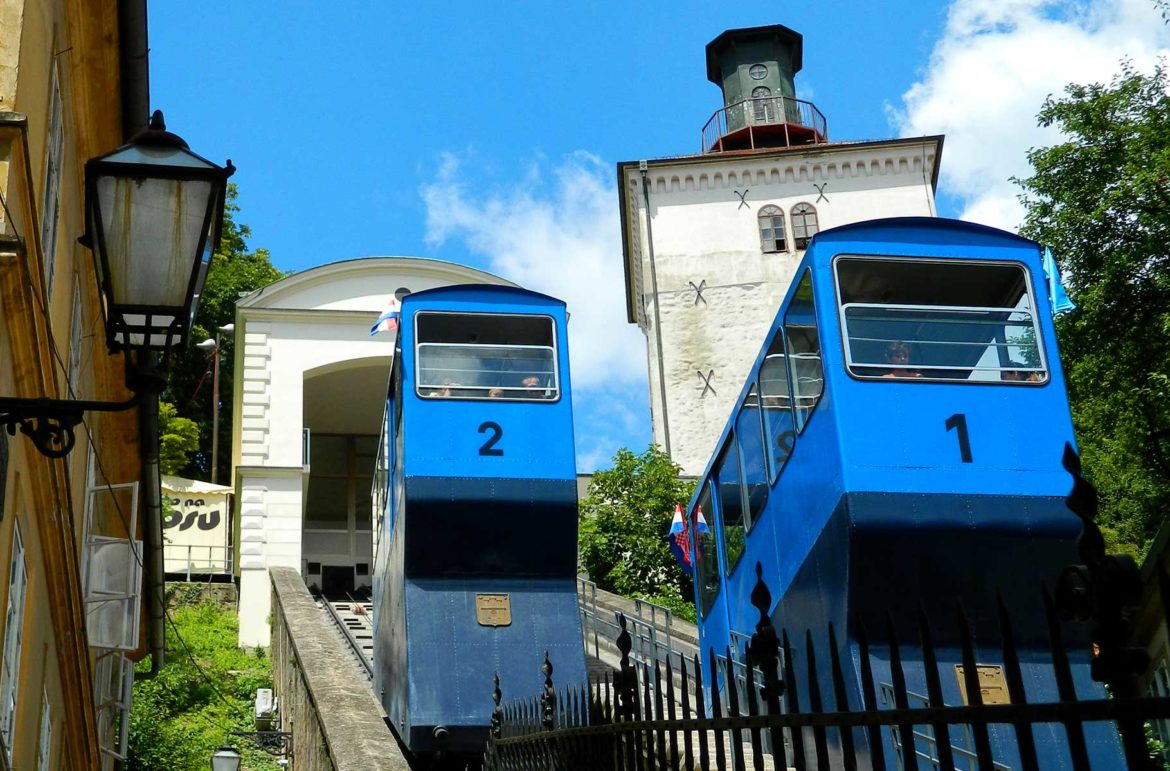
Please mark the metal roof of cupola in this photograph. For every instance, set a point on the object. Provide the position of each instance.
(755, 68)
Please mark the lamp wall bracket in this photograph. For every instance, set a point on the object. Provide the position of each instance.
(275, 743)
(50, 423)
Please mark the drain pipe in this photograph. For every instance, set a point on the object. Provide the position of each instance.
(134, 75)
(134, 71)
(149, 379)
(642, 167)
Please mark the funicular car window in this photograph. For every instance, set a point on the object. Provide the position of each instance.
(486, 356)
(953, 320)
(706, 562)
(731, 512)
(804, 351)
(777, 404)
(749, 433)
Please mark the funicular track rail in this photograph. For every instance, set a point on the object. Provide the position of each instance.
(352, 617)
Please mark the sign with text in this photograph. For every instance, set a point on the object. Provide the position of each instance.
(196, 535)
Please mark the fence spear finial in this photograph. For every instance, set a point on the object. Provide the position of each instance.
(764, 647)
(548, 696)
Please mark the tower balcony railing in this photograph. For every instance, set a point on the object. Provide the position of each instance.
(772, 121)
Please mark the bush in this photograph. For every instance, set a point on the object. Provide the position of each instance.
(623, 525)
(206, 689)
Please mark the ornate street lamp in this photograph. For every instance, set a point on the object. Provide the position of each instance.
(153, 215)
(225, 759)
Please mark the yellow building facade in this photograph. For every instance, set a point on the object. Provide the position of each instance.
(71, 72)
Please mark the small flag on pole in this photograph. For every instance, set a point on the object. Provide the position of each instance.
(1056, 292)
(680, 538)
(388, 321)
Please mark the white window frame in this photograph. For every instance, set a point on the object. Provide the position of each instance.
(773, 245)
(101, 598)
(45, 741)
(51, 198)
(13, 641)
(113, 694)
(551, 389)
(802, 214)
(852, 365)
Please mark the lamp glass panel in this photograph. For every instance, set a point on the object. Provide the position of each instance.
(226, 759)
(151, 229)
(160, 155)
(135, 334)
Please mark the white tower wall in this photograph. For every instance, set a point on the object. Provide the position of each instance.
(702, 231)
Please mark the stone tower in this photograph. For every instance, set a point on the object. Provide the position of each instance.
(711, 240)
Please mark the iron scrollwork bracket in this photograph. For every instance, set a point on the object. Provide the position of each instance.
(276, 743)
(50, 423)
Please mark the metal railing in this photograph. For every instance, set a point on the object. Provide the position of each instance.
(735, 127)
(197, 560)
(802, 715)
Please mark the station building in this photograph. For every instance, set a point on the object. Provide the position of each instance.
(308, 405)
(711, 240)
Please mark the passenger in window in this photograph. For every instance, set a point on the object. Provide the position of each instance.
(534, 389)
(898, 356)
(446, 390)
(1019, 375)
(496, 393)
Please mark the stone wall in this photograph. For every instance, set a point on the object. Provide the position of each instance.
(181, 594)
(325, 701)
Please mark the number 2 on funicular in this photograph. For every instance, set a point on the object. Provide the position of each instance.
(496, 433)
(958, 421)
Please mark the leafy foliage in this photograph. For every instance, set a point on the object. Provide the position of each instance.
(179, 438)
(623, 525)
(234, 271)
(1101, 200)
(182, 716)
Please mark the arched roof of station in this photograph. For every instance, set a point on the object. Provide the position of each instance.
(362, 284)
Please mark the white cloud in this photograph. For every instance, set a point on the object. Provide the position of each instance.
(990, 72)
(555, 229)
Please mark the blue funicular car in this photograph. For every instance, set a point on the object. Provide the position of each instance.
(897, 448)
(476, 558)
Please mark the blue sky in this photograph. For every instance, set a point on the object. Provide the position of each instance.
(487, 133)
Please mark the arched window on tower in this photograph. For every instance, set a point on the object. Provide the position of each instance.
(772, 239)
(804, 224)
(762, 104)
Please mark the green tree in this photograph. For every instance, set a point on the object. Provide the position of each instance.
(1101, 200)
(623, 524)
(234, 271)
(179, 437)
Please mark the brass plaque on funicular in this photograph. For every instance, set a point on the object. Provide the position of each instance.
(992, 684)
(493, 610)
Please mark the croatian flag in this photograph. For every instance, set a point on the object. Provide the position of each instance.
(388, 321)
(1056, 292)
(680, 539)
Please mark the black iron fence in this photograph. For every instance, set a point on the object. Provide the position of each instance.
(785, 704)
(638, 718)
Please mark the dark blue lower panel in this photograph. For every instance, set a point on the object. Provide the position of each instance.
(882, 559)
(491, 527)
(451, 658)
